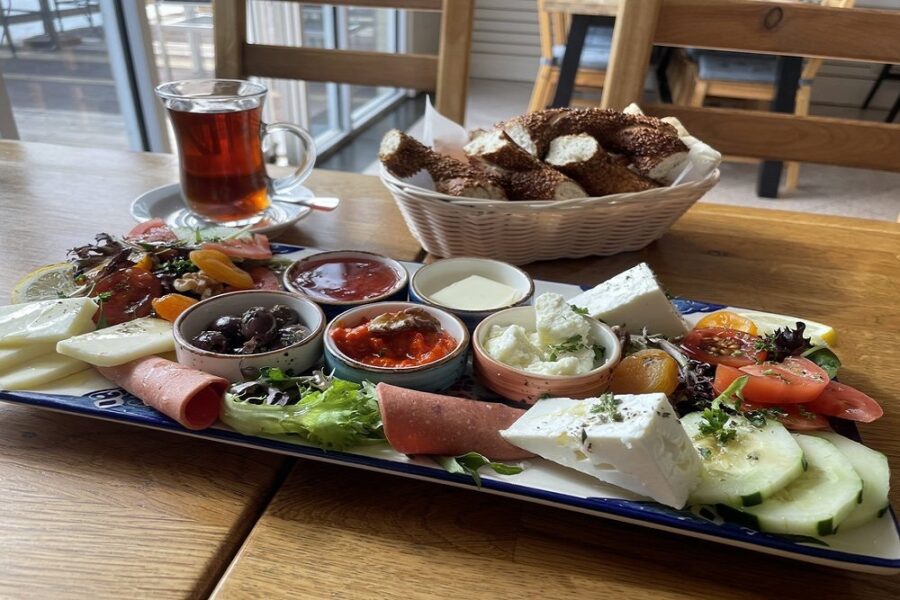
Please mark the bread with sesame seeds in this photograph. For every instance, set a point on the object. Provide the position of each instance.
(582, 158)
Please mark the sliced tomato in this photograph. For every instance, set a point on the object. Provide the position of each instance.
(264, 278)
(720, 346)
(154, 230)
(128, 294)
(728, 320)
(769, 383)
(255, 247)
(798, 417)
(839, 400)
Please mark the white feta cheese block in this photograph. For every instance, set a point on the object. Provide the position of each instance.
(39, 371)
(557, 322)
(476, 293)
(10, 357)
(633, 299)
(633, 441)
(45, 321)
(120, 343)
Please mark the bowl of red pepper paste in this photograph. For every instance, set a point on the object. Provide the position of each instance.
(342, 279)
(401, 343)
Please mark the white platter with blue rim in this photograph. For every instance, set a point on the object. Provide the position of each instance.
(873, 548)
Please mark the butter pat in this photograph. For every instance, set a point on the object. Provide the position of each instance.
(120, 343)
(41, 370)
(45, 321)
(476, 293)
(633, 299)
(633, 441)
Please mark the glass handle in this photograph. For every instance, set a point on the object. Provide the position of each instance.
(307, 159)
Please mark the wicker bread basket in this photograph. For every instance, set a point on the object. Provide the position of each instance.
(521, 232)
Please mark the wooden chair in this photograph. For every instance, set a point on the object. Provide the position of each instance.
(779, 28)
(447, 74)
(554, 27)
(695, 75)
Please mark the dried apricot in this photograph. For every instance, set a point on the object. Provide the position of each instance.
(168, 307)
(727, 320)
(219, 267)
(645, 372)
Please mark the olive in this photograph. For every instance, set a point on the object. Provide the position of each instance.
(229, 326)
(285, 315)
(211, 341)
(292, 334)
(258, 323)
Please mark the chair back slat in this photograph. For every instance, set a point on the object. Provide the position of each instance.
(764, 27)
(446, 73)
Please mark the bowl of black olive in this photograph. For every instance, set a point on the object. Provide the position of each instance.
(234, 335)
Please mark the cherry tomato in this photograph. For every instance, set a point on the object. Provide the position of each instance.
(720, 346)
(772, 383)
(797, 417)
(128, 294)
(728, 320)
(154, 230)
(264, 278)
(252, 248)
(839, 400)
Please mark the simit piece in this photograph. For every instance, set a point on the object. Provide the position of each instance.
(404, 156)
(582, 158)
(522, 175)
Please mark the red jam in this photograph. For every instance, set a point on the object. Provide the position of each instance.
(409, 348)
(344, 279)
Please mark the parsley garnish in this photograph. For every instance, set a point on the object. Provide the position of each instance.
(705, 452)
(715, 423)
(599, 352)
(579, 310)
(572, 344)
(178, 267)
(607, 405)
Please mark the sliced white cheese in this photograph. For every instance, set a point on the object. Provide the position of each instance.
(120, 343)
(633, 441)
(557, 322)
(633, 299)
(476, 293)
(10, 357)
(45, 321)
(40, 371)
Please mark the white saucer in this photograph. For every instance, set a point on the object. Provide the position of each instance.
(166, 203)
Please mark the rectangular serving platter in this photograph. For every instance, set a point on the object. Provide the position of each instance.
(873, 548)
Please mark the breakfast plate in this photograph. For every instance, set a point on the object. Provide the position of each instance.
(874, 547)
(166, 203)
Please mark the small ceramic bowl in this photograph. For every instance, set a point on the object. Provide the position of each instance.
(297, 358)
(335, 307)
(431, 377)
(434, 277)
(522, 386)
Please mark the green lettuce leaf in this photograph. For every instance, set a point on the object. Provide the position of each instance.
(468, 464)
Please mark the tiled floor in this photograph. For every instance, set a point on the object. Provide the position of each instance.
(822, 189)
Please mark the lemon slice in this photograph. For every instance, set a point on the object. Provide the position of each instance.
(819, 333)
(45, 283)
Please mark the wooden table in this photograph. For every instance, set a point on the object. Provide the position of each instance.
(341, 532)
(96, 509)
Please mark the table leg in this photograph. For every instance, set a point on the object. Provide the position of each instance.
(788, 70)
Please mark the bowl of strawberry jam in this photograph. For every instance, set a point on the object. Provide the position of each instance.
(401, 343)
(343, 279)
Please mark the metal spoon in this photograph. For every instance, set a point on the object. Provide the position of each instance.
(323, 204)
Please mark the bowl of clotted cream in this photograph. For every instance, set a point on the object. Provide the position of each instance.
(551, 349)
(471, 288)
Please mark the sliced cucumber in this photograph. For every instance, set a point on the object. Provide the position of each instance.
(813, 504)
(747, 469)
(872, 467)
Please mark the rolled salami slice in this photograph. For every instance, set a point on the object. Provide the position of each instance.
(422, 423)
(191, 397)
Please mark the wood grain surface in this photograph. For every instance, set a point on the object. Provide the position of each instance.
(344, 533)
(92, 509)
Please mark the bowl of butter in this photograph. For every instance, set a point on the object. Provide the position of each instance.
(551, 349)
(471, 288)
